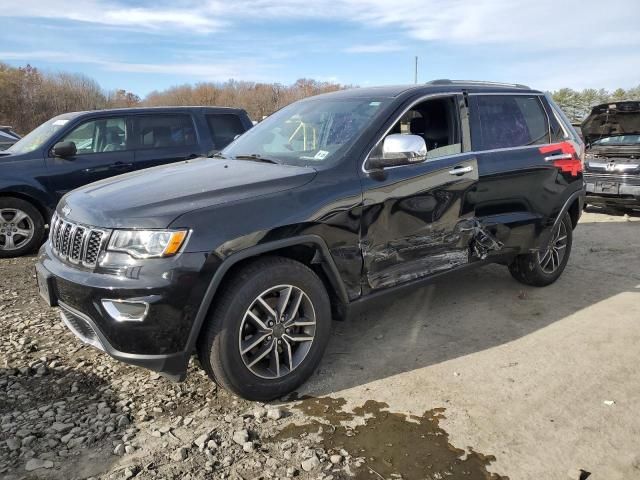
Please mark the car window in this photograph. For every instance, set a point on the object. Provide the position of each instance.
(507, 121)
(99, 135)
(436, 121)
(164, 131)
(224, 127)
(632, 139)
(314, 132)
(36, 138)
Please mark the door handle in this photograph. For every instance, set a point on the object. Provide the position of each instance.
(461, 170)
(121, 165)
(559, 156)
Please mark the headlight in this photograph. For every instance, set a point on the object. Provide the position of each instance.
(147, 243)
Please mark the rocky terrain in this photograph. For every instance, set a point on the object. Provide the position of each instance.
(68, 411)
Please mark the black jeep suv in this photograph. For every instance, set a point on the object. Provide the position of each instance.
(74, 149)
(334, 200)
(612, 163)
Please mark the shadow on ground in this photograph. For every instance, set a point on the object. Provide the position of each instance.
(474, 311)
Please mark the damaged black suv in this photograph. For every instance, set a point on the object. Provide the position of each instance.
(333, 201)
(612, 163)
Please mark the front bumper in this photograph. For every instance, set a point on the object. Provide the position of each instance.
(172, 287)
(612, 189)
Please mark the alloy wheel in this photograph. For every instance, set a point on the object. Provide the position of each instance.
(277, 331)
(551, 259)
(16, 229)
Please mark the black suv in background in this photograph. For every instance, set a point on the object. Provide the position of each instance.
(325, 205)
(612, 163)
(74, 149)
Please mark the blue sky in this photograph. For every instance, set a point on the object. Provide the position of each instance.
(148, 45)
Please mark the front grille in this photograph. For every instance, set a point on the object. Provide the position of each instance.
(78, 244)
(624, 179)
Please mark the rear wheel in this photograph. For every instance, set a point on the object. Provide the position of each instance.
(21, 227)
(544, 267)
(268, 330)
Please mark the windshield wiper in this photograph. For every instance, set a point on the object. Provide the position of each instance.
(256, 158)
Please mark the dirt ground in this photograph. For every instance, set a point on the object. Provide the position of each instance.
(475, 377)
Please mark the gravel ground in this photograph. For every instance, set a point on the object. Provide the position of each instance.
(68, 411)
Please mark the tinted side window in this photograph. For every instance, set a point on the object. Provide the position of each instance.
(162, 131)
(96, 136)
(506, 121)
(224, 127)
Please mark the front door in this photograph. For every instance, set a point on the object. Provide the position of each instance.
(418, 219)
(102, 151)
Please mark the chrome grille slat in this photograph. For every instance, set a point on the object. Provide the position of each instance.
(628, 179)
(78, 244)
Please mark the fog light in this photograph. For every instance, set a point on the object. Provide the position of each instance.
(126, 310)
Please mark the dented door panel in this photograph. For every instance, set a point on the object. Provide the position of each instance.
(417, 221)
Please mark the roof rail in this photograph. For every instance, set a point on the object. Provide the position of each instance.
(446, 81)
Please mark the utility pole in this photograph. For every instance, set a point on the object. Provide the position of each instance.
(415, 76)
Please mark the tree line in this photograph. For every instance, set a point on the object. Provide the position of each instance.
(28, 96)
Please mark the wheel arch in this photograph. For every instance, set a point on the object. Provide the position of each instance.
(37, 203)
(575, 210)
(310, 250)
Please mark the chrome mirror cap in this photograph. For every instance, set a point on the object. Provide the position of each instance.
(399, 149)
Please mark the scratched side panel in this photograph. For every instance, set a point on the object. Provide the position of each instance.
(415, 222)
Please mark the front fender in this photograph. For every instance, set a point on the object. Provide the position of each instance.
(316, 241)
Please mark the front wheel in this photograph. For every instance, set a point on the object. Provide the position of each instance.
(21, 227)
(268, 329)
(545, 266)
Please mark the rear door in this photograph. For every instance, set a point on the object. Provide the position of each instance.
(414, 221)
(164, 138)
(519, 184)
(103, 150)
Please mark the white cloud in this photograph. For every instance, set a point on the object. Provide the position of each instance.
(374, 48)
(534, 24)
(104, 12)
(241, 68)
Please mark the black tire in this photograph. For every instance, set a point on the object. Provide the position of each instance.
(533, 268)
(22, 244)
(219, 349)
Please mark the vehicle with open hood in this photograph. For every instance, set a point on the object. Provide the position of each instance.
(323, 207)
(612, 162)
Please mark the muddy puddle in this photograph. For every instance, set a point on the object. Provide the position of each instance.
(392, 445)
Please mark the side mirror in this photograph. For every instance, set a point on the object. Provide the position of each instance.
(399, 149)
(64, 149)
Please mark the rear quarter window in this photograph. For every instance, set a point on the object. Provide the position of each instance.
(224, 127)
(507, 121)
(164, 131)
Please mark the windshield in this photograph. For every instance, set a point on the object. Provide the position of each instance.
(311, 132)
(618, 140)
(40, 135)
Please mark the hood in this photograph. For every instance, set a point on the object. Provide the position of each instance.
(609, 119)
(154, 197)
